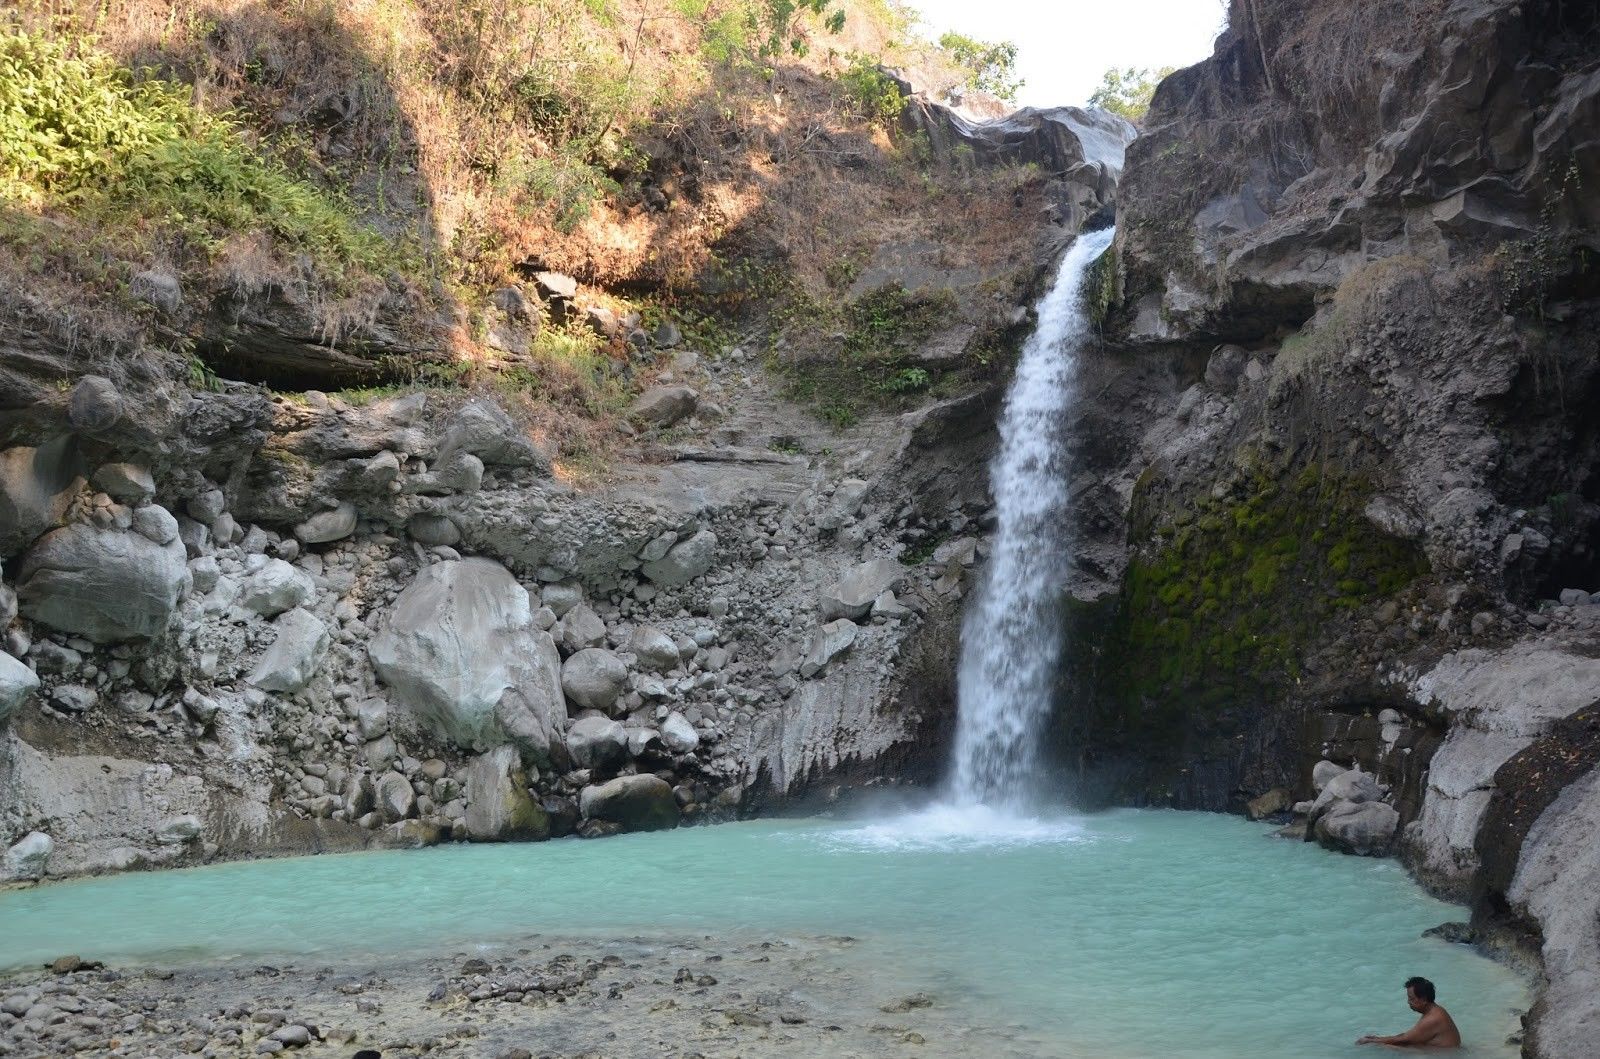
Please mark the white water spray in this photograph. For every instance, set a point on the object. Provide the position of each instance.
(1010, 639)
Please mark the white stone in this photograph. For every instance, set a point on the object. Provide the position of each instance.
(290, 663)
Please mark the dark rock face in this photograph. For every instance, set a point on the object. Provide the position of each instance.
(1355, 501)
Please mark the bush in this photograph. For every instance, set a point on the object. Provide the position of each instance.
(77, 130)
(874, 94)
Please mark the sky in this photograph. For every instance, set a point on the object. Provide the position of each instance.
(1065, 45)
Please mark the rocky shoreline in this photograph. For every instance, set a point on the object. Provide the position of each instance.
(543, 996)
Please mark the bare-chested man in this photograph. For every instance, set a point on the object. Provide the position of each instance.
(1435, 1029)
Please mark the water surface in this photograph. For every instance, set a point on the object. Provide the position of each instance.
(1127, 934)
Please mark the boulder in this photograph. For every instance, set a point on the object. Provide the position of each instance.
(597, 742)
(459, 649)
(36, 488)
(826, 644)
(206, 506)
(395, 798)
(290, 663)
(1274, 801)
(158, 525)
(654, 649)
(327, 526)
(678, 734)
(634, 803)
(561, 597)
(581, 628)
(17, 682)
(1323, 771)
(555, 285)
(684, 561)
(432, 530)
(483, 430)
(499, 808)
(128, 483)
(158, 289)
(275, 588)
(28, 858)
(102, 584)
(593, 678)
(95, 405)
(178, 830)
(662, 406)
(844, 504)
(853, 594)
(1364, 828)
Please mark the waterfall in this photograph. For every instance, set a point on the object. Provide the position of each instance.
(1011, 636)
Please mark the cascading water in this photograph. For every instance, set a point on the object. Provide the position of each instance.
(1010, 639)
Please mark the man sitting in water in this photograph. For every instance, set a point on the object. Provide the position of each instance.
(1435, 1029)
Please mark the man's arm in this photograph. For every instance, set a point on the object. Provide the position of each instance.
(1423, 1032)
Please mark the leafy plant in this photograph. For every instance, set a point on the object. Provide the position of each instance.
(78, 130)
(874, 94)
(990, 67)
(1127, 92)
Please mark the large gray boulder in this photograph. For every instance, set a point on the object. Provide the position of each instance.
(459, 648)
(36, 488)
(326, 526)
(275, 588)
(654, 649)
(853, 594)
(1363, 828)
(635, 803)
(499, 808)
(396, 799)
(17, 682)
(297, 650)
(103, 584)
(28, 858)
(684, 561)
(581, 628)
(484, 430)
(678, 734)
(596, 742)
(593, 678)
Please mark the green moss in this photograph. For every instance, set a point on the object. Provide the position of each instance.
(1224, 608)
(1101, 285)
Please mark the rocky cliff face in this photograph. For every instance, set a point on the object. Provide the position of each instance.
(1354, 517)
(241, 622)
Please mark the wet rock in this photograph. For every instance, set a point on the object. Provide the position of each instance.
(498, 806)
(634, 803)
(1271, 803)
(102, 584)
(1363, 828)
(684, 561)
(1455, 933)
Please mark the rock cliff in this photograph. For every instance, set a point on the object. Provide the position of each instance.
(1350, 521)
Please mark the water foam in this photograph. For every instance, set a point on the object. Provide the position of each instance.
(945, 827)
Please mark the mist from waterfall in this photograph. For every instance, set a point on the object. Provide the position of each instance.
(1011, 634)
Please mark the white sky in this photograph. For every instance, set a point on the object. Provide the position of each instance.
(1065, 45)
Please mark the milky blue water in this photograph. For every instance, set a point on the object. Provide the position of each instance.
(1128, 933)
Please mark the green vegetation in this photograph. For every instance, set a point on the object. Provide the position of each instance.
(1233, 592)
(79, 131)
(1100, 286)
(1127, 92)
(879, 329)
(873, 92)
(1534, 269)
(990, 67)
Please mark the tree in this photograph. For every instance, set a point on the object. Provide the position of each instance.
(1127, 92)
(990, 67)
(780, 27)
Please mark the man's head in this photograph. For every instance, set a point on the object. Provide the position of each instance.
(1419, 994)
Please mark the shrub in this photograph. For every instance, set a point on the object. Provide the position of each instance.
(875, 95)
(77, 130)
